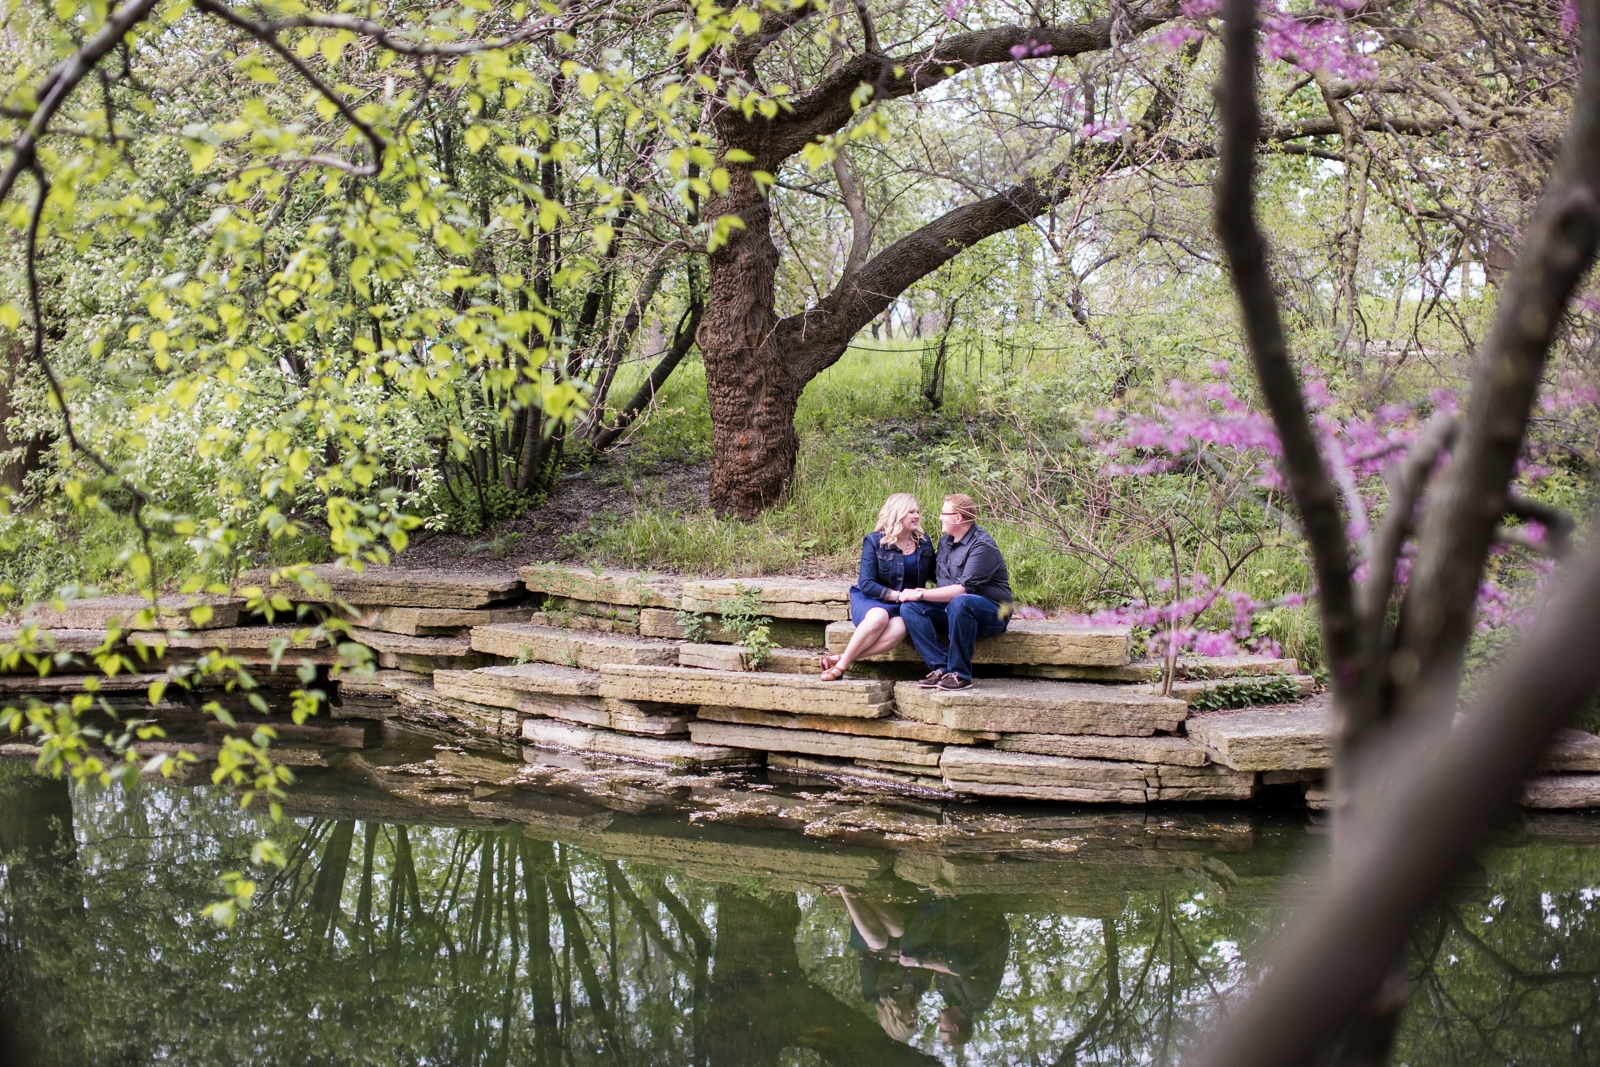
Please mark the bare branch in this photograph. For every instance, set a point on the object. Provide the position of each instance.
(1406, 483)
(860, 222)
(1245, 247)
(394, 42)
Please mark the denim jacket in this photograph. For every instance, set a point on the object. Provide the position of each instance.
(883, 567)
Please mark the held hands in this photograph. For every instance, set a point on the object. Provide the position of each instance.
(909, 594)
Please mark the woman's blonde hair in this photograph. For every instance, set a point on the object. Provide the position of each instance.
(897, 1012)
(892, 517)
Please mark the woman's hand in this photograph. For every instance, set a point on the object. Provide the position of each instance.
(910, 594)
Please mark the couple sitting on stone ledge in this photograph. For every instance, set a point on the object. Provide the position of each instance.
(970, 598)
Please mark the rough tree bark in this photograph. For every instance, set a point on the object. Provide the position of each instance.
(757, 363)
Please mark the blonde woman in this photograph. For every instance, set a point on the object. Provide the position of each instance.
(896, 562)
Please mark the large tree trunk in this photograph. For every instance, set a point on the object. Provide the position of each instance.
(750, 381)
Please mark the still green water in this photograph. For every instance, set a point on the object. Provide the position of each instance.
(442, 907)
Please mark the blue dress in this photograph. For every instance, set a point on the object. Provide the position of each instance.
(885, 567)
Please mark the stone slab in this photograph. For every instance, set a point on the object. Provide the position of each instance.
(627, 746)
(987, 772)
(1024, 705)
(735, 658)
(505, 685)
(237, 638)
(1158, 748)
(591, 623)
(627, 588)
(1211, 782)
(56, 640)
(426, 707)
(1562, 791)
(653, 720)
(1191, 690)
(1149, 670)
(572, 648)
(398, 586)
(434, 622)
(1266, 739)
(823, 600)
(407, 645)
(838, 768)
(797, 633)
(1026, 641)
(1573, 750)
(563, 605)
(101, 612)
(865, 698)
(894, 728)
(815, 743)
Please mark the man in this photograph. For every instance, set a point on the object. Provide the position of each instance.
(972, 600)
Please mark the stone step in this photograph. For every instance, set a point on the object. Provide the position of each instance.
(251, 645)
(543, 732)
(574, 648)
(421, 655)
(422, 705)
(824, 600)
(434, 622)
(794, 693)
(1562, 791)
(1573, 750)
(562, 605)
(1236, 690)
(42, 640)
(102, 612)
(505, 686)
(1266, 739)
(636, 589)
(893, 728)
(1160, 748)
(1030, 642)
(1018, 705)
(1149, 670)
(816, 743)
(591, 623)
(735, 658)
(817, 766)
(797, 633)
(397, 586)
(988, 772)
(566, 693)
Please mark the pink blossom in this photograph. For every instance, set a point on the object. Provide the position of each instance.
(954, 8)
(1030, 49)
(1569, 17)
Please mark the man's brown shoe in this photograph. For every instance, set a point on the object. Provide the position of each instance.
(952, 681)
(931, 679)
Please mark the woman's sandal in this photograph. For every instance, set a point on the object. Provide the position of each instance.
(832, 674)
(829, 662)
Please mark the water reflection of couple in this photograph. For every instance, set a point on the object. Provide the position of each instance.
(953, 946)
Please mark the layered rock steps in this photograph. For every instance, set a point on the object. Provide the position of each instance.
(793, 693)
(1026, 706)
(573, 648)
(1027, 642)
(396, 586)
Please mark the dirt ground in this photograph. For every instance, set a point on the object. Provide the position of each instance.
(583, 500)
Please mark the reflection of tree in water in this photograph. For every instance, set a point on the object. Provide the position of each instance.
(1513, 976)
(463, 945)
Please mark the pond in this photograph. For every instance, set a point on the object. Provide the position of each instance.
(449, 907)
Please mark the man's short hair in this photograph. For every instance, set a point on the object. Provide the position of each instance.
(963, 505)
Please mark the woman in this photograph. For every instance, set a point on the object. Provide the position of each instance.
(896, 562)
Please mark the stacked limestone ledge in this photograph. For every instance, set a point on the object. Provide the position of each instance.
(604, 664)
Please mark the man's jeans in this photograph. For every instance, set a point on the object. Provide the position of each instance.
(964, 621)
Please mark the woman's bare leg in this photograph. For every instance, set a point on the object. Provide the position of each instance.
(867, 634)
(891, 636)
